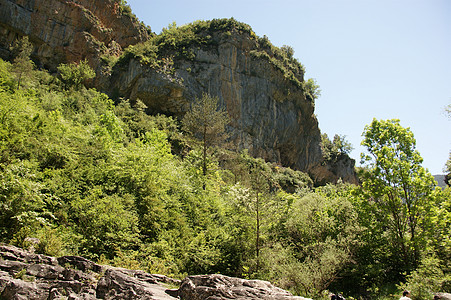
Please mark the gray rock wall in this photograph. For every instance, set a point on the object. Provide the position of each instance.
(269, 114)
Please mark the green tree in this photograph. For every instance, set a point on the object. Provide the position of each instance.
(206, 123)
(399, 188)
(74, 75)
(333, 150)
(259, 181)
(311, 89)
(447, 168)
(22, 63)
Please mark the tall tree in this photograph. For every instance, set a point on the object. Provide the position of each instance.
(206, 122)
(447, 168)
(399, 186)
(22, 63)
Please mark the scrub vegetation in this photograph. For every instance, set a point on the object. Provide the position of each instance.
(87, 176)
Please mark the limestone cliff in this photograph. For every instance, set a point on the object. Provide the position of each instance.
(261, 86)
(65, 31)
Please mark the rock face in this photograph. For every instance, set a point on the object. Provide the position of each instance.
(216, 287)
(66, 31)
(341, 169)
(25, 275)
(270, 115)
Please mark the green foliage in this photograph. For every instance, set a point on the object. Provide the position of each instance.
(179, 41)
(6, 80)
(81, 176)
(206, 122)
(23, 203)
(323, 230)
(290, 180)
(334, 150)
(23, 65)
(401, 187)
(311, 89)
(74, 75)
(427, 280)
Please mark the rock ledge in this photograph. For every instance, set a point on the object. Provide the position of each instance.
(26, 275)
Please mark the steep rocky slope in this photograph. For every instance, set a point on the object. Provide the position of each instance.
(26, 275)
(270, 105)
(270, 115)
(65, 31)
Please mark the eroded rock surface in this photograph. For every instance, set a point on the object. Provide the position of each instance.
(270, 114)
(215, 287)
(65, 31)
(26, 275)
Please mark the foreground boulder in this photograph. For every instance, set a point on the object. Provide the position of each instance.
(26, 275)
(215, 287)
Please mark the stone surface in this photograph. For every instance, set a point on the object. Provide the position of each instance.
(444, 296)
(65, 31)
(215, 287)
(26, 275)
(269, 114)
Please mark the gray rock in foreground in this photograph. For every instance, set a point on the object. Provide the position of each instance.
(26, 275)
(215, 287)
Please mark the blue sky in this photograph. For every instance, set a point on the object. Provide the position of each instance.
(379, 59)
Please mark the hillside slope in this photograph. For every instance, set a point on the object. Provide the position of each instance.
(262, 87)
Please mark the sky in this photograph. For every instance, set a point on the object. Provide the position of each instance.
(383, 59)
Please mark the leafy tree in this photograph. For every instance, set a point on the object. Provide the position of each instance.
(206, 123)
(427, 279)
(447, 168)
(6, 80)
(311, 89)
(333, 150)
(312, 237)
(400, 189)
(22, 63)
(288, 50)
(259, 181)
(74, 75)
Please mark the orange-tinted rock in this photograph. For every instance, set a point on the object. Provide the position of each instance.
(67, 31)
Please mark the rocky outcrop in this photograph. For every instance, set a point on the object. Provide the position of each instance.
(26, 275)
(65, 31)
(270, 113)
(215, 287)
(331, 172)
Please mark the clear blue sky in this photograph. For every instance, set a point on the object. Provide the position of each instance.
(379, 59)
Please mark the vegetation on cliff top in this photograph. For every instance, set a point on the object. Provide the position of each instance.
(179, 42)
(109, 182)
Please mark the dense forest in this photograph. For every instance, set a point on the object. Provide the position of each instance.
(81, 174)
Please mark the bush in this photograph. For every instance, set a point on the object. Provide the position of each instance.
(74, 75)
(427, 280)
